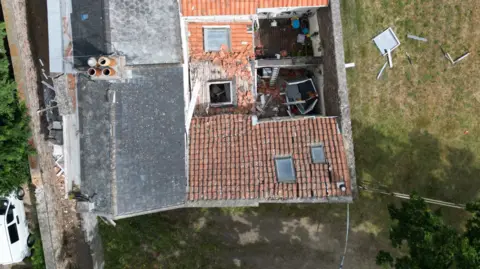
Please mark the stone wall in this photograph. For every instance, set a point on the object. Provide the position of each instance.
(332, 98)
(335, 80)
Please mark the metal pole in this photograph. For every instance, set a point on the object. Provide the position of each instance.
(45, 109)
(346, 236)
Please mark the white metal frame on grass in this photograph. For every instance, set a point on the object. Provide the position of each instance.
(386, 33)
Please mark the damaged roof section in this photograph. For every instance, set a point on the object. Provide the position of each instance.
(279, 144)
(240, 7)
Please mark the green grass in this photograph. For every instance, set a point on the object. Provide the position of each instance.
(14, 129)
(409, 128)
(37, 260)
(159, 241)
(408, 133)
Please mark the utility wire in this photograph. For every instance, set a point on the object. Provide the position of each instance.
(395, 194)
(407, 197)
(346, 236)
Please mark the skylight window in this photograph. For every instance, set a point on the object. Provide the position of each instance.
(215, 37)
(285, 170)
(318, 154)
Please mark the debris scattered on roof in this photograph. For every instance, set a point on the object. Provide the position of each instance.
(264, 101)
(234, 63)
(417, 38)
(245, 99)
(268, 90)
(48, 85)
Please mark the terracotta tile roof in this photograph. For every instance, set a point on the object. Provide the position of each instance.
(240, 7)
(231, 159)
(239, 36)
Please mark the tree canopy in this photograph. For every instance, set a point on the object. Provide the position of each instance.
(14, 131)
(430, 242)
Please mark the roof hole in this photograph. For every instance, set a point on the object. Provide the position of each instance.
(221, 93)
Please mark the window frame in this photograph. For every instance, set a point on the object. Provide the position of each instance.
(316, 146)
(232, 96)
(4, 209)
(10, 213)
(213, 28)
(290, 180)
(17, 235)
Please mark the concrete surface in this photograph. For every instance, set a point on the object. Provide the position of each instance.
(335, 78)
(92, 236)
(71, 151)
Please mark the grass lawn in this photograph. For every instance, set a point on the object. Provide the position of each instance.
(409, 127)
(409, 133)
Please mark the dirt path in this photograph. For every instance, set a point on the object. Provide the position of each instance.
(62, 237)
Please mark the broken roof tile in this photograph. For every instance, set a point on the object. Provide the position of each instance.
(240, 7)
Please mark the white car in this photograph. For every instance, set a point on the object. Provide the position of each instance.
(15, 238)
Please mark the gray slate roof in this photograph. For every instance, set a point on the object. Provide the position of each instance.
(133, 141)
(95, 142)
(132, 133)
(150, 140)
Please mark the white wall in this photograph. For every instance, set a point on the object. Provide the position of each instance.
(316, 40)
(276, 12)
